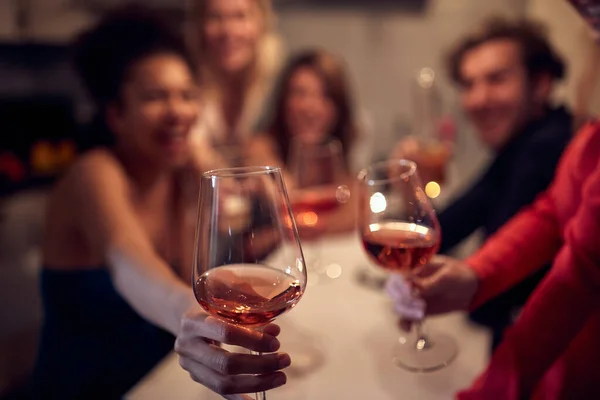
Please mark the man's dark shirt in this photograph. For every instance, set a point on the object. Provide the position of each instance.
(520, 171)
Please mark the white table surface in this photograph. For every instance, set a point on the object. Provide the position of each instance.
(348, 332)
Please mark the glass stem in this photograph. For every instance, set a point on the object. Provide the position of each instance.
(422, 342)
(259, 395)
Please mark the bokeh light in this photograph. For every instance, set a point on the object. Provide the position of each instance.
(433, 189)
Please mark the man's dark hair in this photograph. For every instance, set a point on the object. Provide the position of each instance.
(538, 55)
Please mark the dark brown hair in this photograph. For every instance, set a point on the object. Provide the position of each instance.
(332, 73)
(538, 55)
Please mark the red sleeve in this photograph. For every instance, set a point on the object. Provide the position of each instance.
(555, 313)
(527, 242)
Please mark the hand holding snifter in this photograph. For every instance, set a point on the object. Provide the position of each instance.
(248, 265)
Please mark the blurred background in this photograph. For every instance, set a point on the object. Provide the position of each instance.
(43, 111)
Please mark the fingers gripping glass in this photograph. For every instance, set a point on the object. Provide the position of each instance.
(248, 264)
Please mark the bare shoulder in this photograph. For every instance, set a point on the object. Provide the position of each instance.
(95, 173)
(90, 172)
(93, 168)
(97, 163)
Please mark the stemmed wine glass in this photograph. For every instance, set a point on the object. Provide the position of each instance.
(319, 170)
(400, 232)
(248, 263)
(432, 136)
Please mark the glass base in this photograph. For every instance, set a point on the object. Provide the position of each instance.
(427, 354)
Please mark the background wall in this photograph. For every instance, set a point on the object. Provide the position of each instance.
(385, 48)
(572, 38)
(50, 20)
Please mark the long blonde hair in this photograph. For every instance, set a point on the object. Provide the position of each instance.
(267, 61)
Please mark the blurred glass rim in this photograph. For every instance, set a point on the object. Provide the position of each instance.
(240, 172)
(374, 169)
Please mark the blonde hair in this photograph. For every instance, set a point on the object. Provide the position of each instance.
(266, 64)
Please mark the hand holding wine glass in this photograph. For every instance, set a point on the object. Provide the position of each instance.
(401, 233)
(224, 372)
(247, 274)
(444, 285)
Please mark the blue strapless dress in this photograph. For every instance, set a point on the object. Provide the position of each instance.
(93, 344)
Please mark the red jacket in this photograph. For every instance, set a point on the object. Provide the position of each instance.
(553, 350)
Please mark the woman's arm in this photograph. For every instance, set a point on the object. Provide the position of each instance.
(105, 216)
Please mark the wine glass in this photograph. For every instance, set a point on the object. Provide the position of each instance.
(320, 171)
(248, 264)
(432, 135)
(400, 232)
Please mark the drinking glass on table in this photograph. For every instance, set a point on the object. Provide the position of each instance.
(248, 272)
(320, 171)
(400, 232)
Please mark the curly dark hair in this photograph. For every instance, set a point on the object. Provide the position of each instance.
(538, 55)
(332, 72)
(104, 54)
